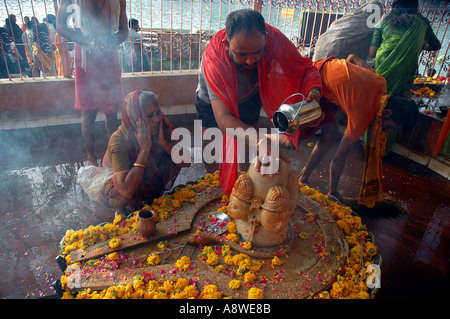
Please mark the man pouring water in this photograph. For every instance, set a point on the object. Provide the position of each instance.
(246, 66)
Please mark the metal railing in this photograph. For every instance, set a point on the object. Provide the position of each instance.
(174, 33)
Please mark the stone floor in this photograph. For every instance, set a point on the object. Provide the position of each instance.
(40, 199)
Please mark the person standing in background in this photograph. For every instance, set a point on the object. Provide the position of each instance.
(97, 29)
(247, 66)
(398, 42)
(396, 46)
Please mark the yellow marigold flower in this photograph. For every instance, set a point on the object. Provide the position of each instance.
(371, 249)
(344, 225)
(229, 259)
(117, 219)
(153, 260)
(152, 285)
(223, 209)
(226, 250)
(213, 259)
(68, 259)
(238, 258)
(249, 277)
(255, 293)
(276, 262)
(234, 284)
(309, 217)
(232, 227)
(255, 265)
(220, 268)
(233, 237)
(209, 256)
(355, 253)
(168, 286)
(211, 292)
(324, 295)
(137, 284)
(67, 295)
(181, 283)
(183, 263)
(188, 292)
(225, 199)
(162, 244)
(303, 235)
(246, 245)
(63, 280)
(114, 243)
(113, 256)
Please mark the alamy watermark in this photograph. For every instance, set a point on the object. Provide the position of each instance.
(246, 150)
(74, 18)
(373, 20)
(374, 278)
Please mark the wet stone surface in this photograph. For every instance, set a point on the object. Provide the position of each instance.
(40, 199)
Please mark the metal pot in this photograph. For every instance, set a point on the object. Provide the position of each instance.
(289, 118)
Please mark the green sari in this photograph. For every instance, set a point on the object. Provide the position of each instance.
(396, 59)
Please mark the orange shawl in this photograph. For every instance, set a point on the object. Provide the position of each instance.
(282, 71)
(372, 185)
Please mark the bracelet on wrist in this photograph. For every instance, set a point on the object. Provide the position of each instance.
(139, 165)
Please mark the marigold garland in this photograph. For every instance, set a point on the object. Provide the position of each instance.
(350, 284)
(163, 206)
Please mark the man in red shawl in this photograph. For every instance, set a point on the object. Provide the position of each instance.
(97, 28)
(247, 65)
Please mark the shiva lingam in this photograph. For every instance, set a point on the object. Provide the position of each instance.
(262, 205)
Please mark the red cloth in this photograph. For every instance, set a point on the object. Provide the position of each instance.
(99, 87)
(282, 71)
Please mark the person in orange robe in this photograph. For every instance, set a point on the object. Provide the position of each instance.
(353, 87)
(63, 61)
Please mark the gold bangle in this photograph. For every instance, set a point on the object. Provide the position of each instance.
(140, 165)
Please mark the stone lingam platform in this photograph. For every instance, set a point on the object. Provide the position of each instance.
(305, 262)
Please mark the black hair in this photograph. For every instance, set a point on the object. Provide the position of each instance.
(245, 19)
(405, 112)
(132, 22)
(30, 25)
(407, 5)
(51, 18)
(403, 13)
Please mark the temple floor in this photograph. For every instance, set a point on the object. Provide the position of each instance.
(40, 199)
